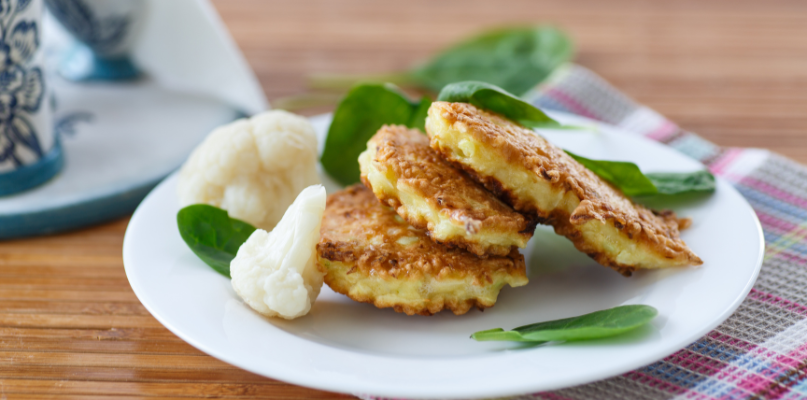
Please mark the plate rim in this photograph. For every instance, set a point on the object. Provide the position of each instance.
(294, 378)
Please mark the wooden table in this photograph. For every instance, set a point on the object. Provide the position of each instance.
(733, 71)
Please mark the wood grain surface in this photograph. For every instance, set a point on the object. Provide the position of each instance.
(732, 71)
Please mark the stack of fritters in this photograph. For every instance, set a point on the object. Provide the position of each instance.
(369, 253)
(445, 243)
(450, 239)
(541, 180)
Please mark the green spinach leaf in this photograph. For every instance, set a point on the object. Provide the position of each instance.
(596, 325)
(492, 98)
(669, 183)
(418, 119)
(501, 335)
(626, 176)
(515, 59)
(212, 235)
(362, 112)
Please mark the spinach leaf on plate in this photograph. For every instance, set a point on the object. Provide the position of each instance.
(489, 97)
(362, 112)
(626, 176)
(596, 325)
(670, 183)
(212, 235)
(515, 59)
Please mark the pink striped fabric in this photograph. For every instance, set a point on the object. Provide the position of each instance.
(759, 352)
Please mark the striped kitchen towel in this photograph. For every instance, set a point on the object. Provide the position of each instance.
(760, 352)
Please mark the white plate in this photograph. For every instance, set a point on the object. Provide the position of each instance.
(345, 346)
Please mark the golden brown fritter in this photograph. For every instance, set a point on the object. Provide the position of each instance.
(431, 194)
(536, 177)
(372, 255)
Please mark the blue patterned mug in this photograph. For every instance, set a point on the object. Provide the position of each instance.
(105, 31)
(30, 153)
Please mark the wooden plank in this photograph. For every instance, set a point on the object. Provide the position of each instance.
(11, 281)
(77, 321)
(63, 396)
(64, 256)
(72, 372)
(73, 307)
(65, 294)
(98, 346)
(61, 269)
(158, 334)
(218, 390)
(25, 358)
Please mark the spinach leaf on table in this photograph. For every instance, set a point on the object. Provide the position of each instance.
(362, 112)
(489, 97)
(212, 235)
(515, 59)
(596, 325)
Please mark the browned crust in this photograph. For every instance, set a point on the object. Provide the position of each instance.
(598, 199)
(406, 152)
(358, 230)
(458, 307)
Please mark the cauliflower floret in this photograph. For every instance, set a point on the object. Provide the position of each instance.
(275, 273)
(253, 168)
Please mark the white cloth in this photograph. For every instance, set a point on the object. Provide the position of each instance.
(185, 47)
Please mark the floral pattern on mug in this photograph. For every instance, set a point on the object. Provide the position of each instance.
(21, 88)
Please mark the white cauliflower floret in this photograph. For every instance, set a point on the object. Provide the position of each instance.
(275, 273)
(253, 168)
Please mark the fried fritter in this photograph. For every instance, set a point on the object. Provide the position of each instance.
(536, 177)
(369, 253)
(431, 194)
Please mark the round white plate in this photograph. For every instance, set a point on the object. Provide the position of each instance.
(345, 346)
